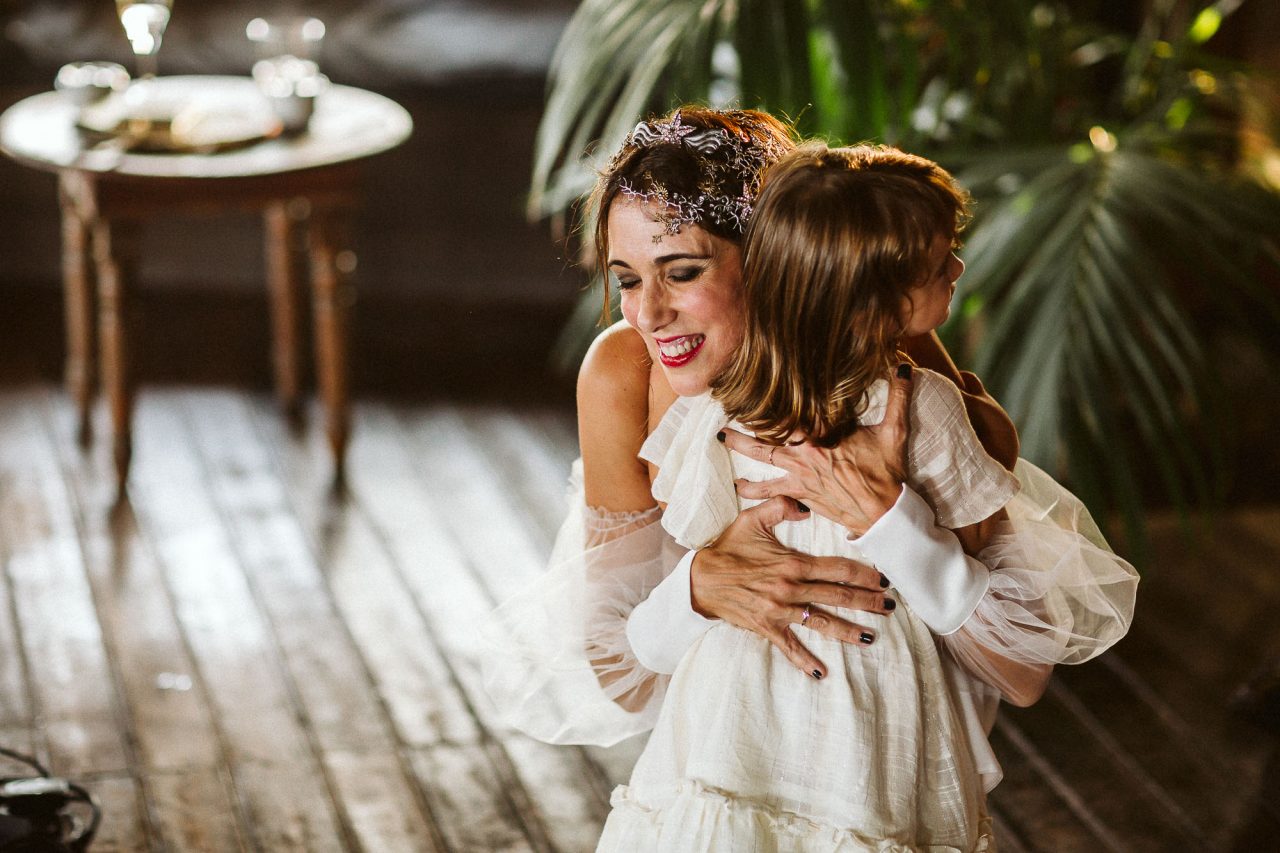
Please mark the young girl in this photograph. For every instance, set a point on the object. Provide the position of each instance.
(848, 250)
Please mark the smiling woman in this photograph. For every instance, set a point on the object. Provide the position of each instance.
(682, 292)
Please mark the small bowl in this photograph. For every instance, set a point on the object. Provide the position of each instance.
(84, 83)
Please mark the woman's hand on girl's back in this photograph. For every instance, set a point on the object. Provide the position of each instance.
(750, 579)
(853, 483)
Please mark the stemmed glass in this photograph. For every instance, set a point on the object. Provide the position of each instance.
(144, 24)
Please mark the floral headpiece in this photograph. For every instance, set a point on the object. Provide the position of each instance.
(730, 166)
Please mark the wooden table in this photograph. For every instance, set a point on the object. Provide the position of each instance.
(306, 187)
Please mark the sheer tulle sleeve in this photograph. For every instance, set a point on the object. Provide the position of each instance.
(557, 662)
(1057, 593)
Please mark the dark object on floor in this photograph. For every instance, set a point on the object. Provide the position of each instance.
(44, 814)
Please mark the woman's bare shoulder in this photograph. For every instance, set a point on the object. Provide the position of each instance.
(613, 416)
(616, 369)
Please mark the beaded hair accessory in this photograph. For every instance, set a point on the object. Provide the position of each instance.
(730, 168)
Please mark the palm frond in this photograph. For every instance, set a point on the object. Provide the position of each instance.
(1085, 277)
(604, 75)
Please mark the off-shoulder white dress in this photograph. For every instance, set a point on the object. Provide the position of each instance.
(748, 753)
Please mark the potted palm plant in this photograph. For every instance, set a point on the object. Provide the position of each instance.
(1103, 157)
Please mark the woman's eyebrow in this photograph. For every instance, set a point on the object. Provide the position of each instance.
(664, 259)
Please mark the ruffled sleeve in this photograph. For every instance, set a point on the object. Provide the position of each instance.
(557, 662)
(1052, 591)
(946, 463)
(1057, 594)
(951, 482)
(695, 473)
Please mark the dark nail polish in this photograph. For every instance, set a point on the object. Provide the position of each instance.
(720, 436)
(904, 371)
(884, 582)
(866, 638)
(801, 507)
(889, 604)
(817, 674)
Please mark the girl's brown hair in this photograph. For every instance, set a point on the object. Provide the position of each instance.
(839, 238)
(727, 177)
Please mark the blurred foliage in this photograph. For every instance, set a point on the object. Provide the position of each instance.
(1100, 144)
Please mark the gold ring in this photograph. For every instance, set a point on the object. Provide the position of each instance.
(771, 449)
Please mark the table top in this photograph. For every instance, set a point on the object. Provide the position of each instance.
(348, 124)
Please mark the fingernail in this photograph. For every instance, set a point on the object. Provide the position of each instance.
(866, 638)
(720, 436)
(889, 604)
(904, 371)
(817, 674)
(801, 507)
(884, 582)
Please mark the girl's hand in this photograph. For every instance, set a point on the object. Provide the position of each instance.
(750, 579)
(853, 483)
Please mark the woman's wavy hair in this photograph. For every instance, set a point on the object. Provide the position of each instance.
(839, 238)
(670, 167)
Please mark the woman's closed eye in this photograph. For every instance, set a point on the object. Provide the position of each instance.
(684, 273)
(626, 282)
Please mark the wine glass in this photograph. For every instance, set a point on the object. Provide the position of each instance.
(144, 24)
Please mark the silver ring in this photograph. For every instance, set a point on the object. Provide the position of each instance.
(804, 617)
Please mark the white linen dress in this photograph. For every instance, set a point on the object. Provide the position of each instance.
(749, 754)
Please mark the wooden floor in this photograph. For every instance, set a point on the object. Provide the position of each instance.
(239, 659)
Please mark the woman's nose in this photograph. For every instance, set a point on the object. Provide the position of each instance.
(655, 309)
(957, 267)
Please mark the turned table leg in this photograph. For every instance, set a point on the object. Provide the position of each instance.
(78, 293)
(115, 251)
(332, 298)
(286, 258)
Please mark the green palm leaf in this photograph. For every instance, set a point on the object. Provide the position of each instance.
(1084, 277)
(605, 75)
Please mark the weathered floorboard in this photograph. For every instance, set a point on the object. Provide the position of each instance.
(72, 689)
(557, 809)
(179, 758)
(344, 719)
(285, 801)
(368, 587)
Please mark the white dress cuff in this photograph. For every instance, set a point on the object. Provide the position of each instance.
(662, 627)
(926, 563)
